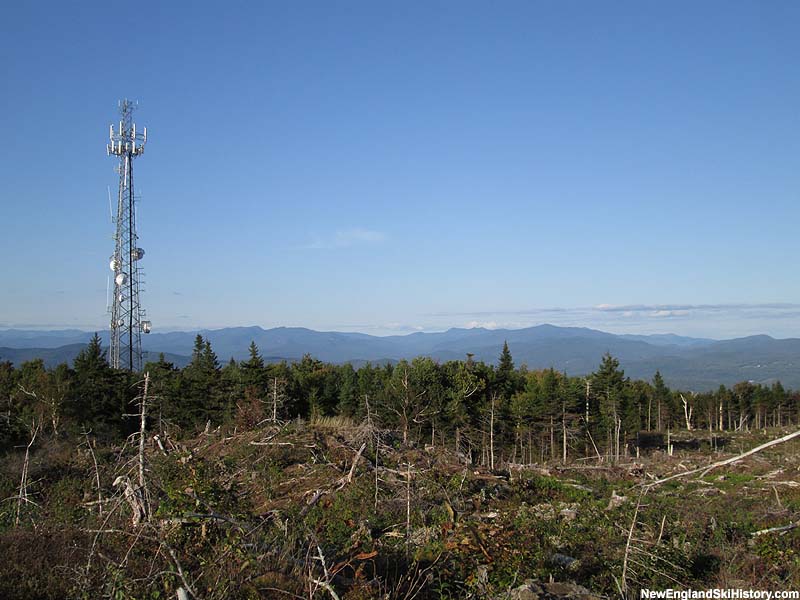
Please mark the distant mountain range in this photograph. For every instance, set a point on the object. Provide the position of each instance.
(687, 363)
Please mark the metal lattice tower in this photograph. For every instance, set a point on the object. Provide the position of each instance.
(127, 316)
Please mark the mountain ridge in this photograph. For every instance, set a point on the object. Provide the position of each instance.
(685, 362)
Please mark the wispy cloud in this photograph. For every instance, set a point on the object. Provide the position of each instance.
(632, 310)
(346, 238)
(685, 308)
(666, 313)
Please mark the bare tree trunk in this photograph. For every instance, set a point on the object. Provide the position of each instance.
(588, 389)
(96, 475)
(491, 434)
(142, 427)
(687, 413)
(530, 447)
(514, 453)
(408, 505)
(22, 497)
(274, 399)
(658, 416)
(669, 443)
(586, 416)
(564, 433)
(143, 494)
(377, 448)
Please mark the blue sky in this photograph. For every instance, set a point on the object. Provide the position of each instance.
(386, 167)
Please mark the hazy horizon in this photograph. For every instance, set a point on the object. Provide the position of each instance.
(390, 331)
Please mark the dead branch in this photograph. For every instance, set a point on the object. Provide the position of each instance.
(142, 425)
(181, 574)
(781, 529)
(326, 583)
(134, 499)
(628, 543)
(100, 500)
(345, 480)
(22, 497)
(254, 443)
(727, 461)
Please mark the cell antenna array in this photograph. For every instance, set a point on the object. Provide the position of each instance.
(127, 316)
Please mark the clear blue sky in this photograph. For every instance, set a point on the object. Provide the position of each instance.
(388, 166)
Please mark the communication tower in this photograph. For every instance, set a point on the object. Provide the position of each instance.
(127, 316)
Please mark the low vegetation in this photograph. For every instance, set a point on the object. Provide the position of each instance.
(415, 480)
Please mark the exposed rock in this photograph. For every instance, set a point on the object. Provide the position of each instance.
(531, 590)
(523, 592)
(564, 561)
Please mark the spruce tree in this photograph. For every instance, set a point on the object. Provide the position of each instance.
(662, 400)
(253, 371)
(506, 366)
(504, 379)
(96, 400)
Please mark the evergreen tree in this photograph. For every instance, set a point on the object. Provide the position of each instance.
(11, 428)
(253, 371)
(200, 386)
(99, 396)
(255, 361)
(608, 385)
(210, 361)
(348, 404)
(465, 387)
(505, 379)
(197, 351)
(661, 402)
(165, 391)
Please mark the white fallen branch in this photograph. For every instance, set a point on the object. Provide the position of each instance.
(727, 461)
(781, 529)
(345, 480)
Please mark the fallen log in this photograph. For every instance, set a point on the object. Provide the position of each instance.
(727, 461)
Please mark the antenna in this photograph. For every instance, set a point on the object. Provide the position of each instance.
(127, 315)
